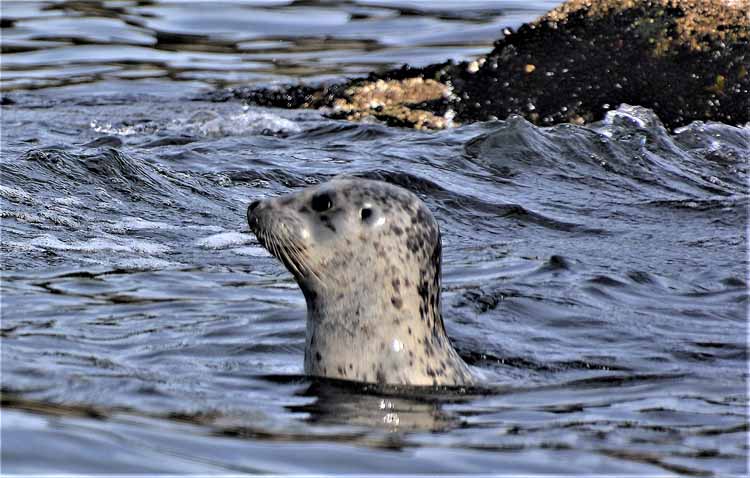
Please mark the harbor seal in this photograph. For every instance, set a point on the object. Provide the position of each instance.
(367, 256)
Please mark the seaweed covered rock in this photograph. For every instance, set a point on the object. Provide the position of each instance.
(685, 59)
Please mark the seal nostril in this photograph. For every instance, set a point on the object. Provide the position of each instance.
(253, 205)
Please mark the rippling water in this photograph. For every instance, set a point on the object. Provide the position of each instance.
(595, 274)
(155, 45)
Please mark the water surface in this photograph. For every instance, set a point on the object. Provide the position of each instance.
(595, 274)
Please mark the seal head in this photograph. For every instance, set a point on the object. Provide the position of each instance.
(366, 255)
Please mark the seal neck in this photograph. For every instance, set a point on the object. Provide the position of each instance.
(381, 297)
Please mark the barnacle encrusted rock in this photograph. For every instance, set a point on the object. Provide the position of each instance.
(393, 99)
(685, 59)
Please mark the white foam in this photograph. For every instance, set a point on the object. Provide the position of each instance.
(254, 251)
(636, 115)
(225, 240)
(16, 195)
(48, 241)
(57, 217)
(22, 216)
(147, 247)
(20, 246)
(106, 127)
(137, 224)
(207, 123)
(69, 201)
(146, 264)
(613, 116)
(249, 122)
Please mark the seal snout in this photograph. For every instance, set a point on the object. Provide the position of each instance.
(252, 214)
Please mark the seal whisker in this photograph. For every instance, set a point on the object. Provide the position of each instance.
(294, 261)
(302, 260)
(284, 254)
(293, 255)
(297, 259)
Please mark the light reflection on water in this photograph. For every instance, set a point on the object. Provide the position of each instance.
(49, 44)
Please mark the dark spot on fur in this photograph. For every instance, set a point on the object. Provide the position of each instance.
(423, 290)
(318, 356)
(396, 283)
(413, 244)
(397, 302)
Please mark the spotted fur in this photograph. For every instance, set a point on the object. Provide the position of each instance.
(367, 256)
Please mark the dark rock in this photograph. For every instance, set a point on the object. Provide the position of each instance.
(685, 59)
(682, 59)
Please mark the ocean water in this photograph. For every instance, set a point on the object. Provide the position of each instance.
(595, 274)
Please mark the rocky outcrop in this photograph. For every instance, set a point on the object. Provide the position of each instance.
(685, 59)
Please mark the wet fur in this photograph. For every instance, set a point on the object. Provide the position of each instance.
(372, 285)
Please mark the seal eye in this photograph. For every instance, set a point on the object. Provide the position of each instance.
(365, 213)
(321, 202)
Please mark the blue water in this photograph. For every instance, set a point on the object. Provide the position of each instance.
(596, 274)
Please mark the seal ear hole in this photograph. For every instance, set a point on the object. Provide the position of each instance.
(365, 213)
(321, 202)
